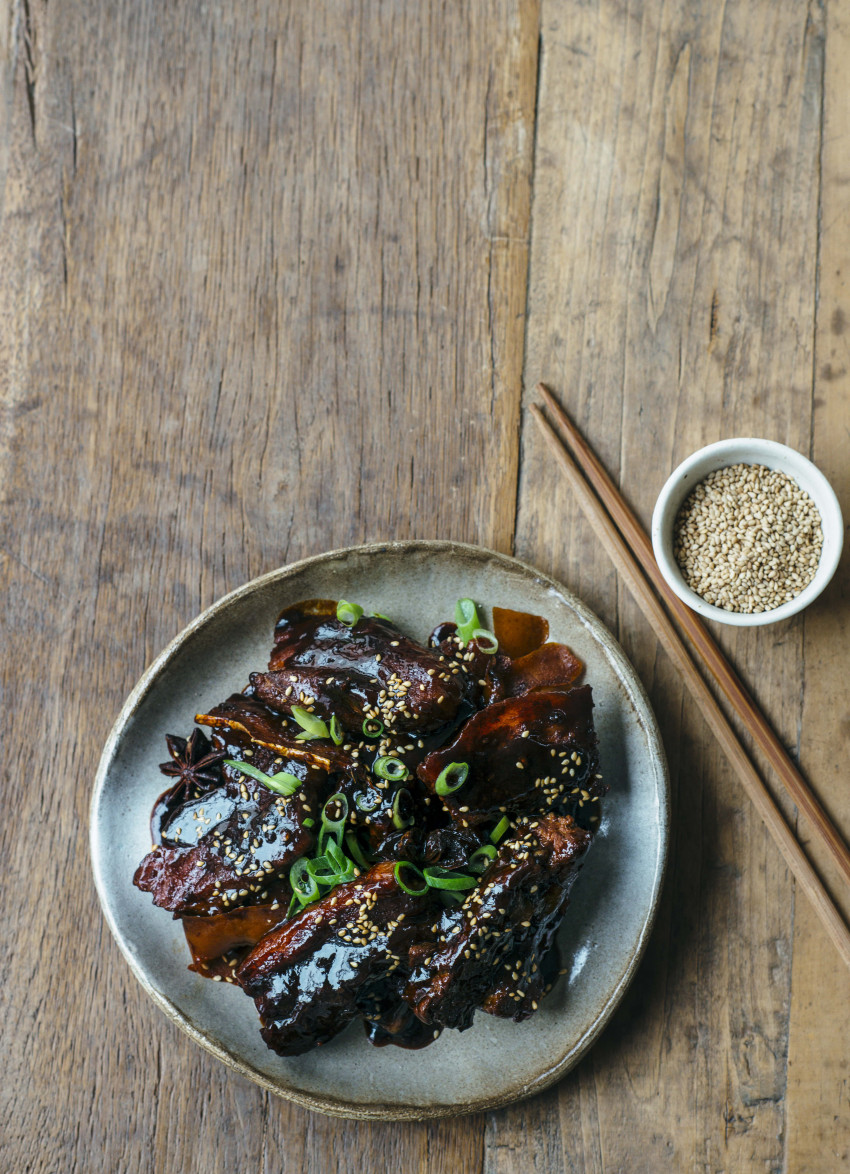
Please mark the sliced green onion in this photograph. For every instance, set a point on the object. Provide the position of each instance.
(334, 868)
(372, 728)
(397, 873)
(444, 878)
(335, 825)
(303, 884)
(500, 829)
(308, 823)
(348, 613)
(466, 618)
(379, 616)
(451, 778)
(390, 768)
(481, 858)
(292, 905)
(364, 805)
(486, 641)
(353, 845)
(450, 900)
(283, 783)
(400, 818)
(312, 726)
(335, 730)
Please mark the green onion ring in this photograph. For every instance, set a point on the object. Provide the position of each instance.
(348, 613)
(283, 783)
(466, 618)
(335, 730)
(499, 830)
(400, 820)
(359, 802)
(354, 849)
(392, 769)
(490, 644)
(407, 889)
(303, 884)
(372, 728)
(444, 878)
(335, 825)
(481, 857)
(451, 778)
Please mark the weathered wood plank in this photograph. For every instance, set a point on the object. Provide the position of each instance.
(671, 301)
(262, 295)
(818, 1137)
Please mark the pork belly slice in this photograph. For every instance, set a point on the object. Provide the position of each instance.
(248, 715)
(311, 976)
(219, 933)
(552, 666)
(491, 952)
(533, 753)
(234, 845)
(369, 669)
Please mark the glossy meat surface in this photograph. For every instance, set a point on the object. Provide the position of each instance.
(235, 855)
(233, 845)
(490, 951)
(535, 752)
(310, 976)
(370, 670)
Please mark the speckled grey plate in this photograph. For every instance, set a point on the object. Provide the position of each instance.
(614, 901)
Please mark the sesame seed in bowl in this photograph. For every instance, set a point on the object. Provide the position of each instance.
(747, 531)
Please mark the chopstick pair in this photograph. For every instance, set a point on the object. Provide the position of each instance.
(629, 548)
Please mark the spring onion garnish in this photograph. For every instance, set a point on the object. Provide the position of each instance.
(308, 823)
(304, 885)
(451, 778)
(355, 851)
(466, 618)
(401, 884)
(390, 768)
(444, 878)
(499, 830)
(335, 731)
(334, 815)
(283, 783)
(486, 641)
(348, 613)
(481, 857)
(333, 868)
(402, 809)
(312, 726)
(372, 728)
(378, 616)
(365, 804)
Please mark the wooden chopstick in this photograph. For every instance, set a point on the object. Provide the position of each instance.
(697, 633)
(635, 580)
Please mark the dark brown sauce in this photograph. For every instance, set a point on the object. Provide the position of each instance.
(519, 632)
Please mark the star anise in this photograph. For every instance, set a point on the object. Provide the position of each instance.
(193, 763)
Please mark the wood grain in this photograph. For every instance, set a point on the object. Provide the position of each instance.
(262, 295)
(266, 289)
(671, 301)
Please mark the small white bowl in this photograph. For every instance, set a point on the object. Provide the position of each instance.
(747, 451)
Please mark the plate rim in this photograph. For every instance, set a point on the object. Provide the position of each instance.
(326, 1103)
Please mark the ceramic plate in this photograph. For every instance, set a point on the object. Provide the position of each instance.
(614, 899)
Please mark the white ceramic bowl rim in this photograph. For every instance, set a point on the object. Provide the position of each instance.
(747, 450)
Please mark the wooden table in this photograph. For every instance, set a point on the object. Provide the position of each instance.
(281, 277)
